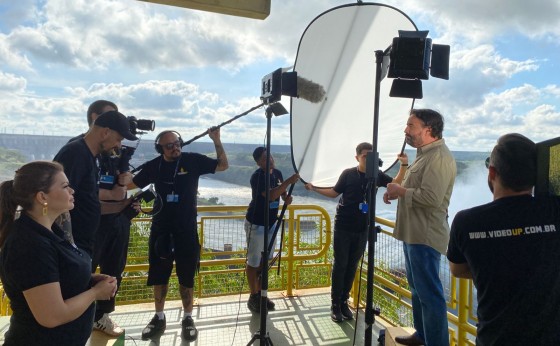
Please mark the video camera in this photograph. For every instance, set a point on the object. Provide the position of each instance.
(140, 124)
(120, 160)
(111, 164)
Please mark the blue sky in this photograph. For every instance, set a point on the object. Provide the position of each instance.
(190, 70)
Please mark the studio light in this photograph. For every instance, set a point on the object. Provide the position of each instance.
(413, 58)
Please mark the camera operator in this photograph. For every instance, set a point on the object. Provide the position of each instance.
(104, 237)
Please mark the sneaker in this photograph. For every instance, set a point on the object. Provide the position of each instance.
(336, 314)
(106, 325)
(154, 327)
(270, 304)
(254, 303)
(346, 312)
(189, 330)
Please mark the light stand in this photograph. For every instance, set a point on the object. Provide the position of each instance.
(262, 334)
(408, 64)
(372, 171)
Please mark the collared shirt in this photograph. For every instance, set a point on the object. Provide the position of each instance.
(422, 212)
(33, 256)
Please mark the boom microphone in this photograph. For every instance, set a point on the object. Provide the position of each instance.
(309, 90)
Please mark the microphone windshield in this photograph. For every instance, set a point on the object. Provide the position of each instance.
(309, 90)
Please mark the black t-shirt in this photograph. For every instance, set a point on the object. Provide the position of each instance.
(255, 212)
(352, 184)
(80, 136)
(512, 247)
(177, 178)
(33, 256)
(80, 166)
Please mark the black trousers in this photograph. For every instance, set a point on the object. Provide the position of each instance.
(348, 248)
(110, 252)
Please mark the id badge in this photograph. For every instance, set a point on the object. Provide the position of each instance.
(172, 198)
(363, 208)
(107, 179)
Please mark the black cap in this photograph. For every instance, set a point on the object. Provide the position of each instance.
(257, 153)
(117, 122)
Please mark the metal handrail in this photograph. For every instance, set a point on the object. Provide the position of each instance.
(296, 259)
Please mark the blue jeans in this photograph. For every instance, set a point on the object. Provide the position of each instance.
(429, 310)
(348, 248)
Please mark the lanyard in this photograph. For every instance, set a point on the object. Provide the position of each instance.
(174, 174)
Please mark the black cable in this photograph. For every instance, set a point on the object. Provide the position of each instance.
(128, 337)
(154, 212)
(358, 304)
(246, 264)
(240, 292)
(279, 221)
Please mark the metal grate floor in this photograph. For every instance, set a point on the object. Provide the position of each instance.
(226, 321)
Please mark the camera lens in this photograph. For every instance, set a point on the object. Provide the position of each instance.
(146, 125)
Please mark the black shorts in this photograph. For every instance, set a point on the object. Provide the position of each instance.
(168, 246)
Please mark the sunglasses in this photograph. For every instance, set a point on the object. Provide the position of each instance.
(170, 146)
(487, 162)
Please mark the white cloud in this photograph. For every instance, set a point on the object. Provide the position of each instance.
(481, 20)
(12, 83)
(162, 62)
(513, 110)
(10, 58)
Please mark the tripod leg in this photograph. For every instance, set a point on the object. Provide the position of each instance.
(254, 338)
(265, 339)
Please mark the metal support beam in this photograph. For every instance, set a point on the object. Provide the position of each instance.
(257, 9)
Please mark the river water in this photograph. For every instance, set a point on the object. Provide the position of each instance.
(231, 194)
(470, 189)
(235, 195)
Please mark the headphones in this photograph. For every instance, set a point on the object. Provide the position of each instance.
(158, 146)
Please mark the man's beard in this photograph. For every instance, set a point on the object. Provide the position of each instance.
(107, 152)
(175, 155)
(490, 186)
(410, 141)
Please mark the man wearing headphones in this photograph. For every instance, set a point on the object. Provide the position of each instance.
(175, 175)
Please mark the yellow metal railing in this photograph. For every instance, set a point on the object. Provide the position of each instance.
(305, 249)
(305, 263)
(393, 297)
